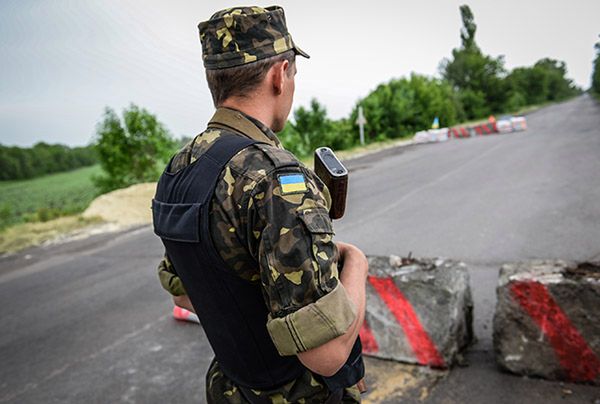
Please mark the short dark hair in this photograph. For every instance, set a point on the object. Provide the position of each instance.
(240, 80)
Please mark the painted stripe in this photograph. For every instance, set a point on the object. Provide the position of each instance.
(369, 343)
(573, 352)
(420, 342)
(291, 179)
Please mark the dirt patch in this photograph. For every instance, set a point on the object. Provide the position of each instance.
(393, 382)
(25, 235)
(125, 207)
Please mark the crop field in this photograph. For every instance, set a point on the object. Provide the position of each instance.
(47, 197)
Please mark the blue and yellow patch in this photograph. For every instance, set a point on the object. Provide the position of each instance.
(292, 183)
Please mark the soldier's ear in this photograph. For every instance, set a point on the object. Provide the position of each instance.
(279, 73)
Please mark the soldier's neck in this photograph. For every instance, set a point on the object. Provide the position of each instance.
(256, 108)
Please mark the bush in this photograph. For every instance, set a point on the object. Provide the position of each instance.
(516, 100)
(132, 149)
(46, 213)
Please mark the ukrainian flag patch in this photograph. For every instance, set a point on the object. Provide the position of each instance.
(292, 183)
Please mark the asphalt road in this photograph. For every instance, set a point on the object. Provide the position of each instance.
(88, 322)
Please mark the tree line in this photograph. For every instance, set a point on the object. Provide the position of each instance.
(472, 85)
(134, 147)
(17, 163)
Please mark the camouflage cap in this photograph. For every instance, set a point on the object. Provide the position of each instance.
(240, 35)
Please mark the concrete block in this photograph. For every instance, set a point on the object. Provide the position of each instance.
(547, 320)
(418, 310)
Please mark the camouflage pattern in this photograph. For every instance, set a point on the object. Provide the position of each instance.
(168, 279)
(307, 389)
(241, 35)
(282, 241)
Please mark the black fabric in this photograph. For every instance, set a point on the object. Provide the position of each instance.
(232, 310)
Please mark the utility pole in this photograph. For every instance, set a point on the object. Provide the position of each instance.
(361, 121)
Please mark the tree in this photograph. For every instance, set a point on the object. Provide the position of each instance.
(467, 32)
(544, 81)
(477, 77)
(595, 89)
(407, 105)
(311, 128)
(132, 149)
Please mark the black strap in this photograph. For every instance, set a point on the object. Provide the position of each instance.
(207, 169)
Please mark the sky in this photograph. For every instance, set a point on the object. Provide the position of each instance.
(63, 62)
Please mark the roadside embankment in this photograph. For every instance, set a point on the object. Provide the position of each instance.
(124, 207)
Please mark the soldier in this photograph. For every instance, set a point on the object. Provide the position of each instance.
(247, 232)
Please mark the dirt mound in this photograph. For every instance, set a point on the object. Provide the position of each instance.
(125, 207)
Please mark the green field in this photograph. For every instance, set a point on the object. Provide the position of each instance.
(47, 197)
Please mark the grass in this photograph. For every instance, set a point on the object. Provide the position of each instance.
(48, 197)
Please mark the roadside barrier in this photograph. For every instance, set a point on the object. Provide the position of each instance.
(507, 125)
(519, 123)
(512, 124)
(485, 129)
(459, 132)
(431, 135)
(547, 320)
(182, 314)
(418, 311)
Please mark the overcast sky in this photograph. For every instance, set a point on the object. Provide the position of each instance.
(62, 62)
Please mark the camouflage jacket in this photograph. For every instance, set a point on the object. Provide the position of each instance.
(279, 235)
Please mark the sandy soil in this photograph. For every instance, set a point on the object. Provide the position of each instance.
(124, 207)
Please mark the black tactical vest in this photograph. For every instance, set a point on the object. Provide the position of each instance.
(232, 311)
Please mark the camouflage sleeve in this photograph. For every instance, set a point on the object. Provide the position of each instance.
(297, 258)
(168, 277)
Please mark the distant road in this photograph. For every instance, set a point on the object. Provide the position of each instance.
(88, 322)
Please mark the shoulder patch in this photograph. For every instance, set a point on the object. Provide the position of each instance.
(293, 183)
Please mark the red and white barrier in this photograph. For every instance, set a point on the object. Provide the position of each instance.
(459, 132)
(547, 320)
(485, 129)
(417, 313)
(182, 314)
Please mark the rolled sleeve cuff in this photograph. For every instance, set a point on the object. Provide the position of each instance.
(171, 283)
(314, 324)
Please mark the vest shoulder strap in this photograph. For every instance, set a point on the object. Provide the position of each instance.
(182, 198)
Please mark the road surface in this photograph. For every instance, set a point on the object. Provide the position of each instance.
(88, 322)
